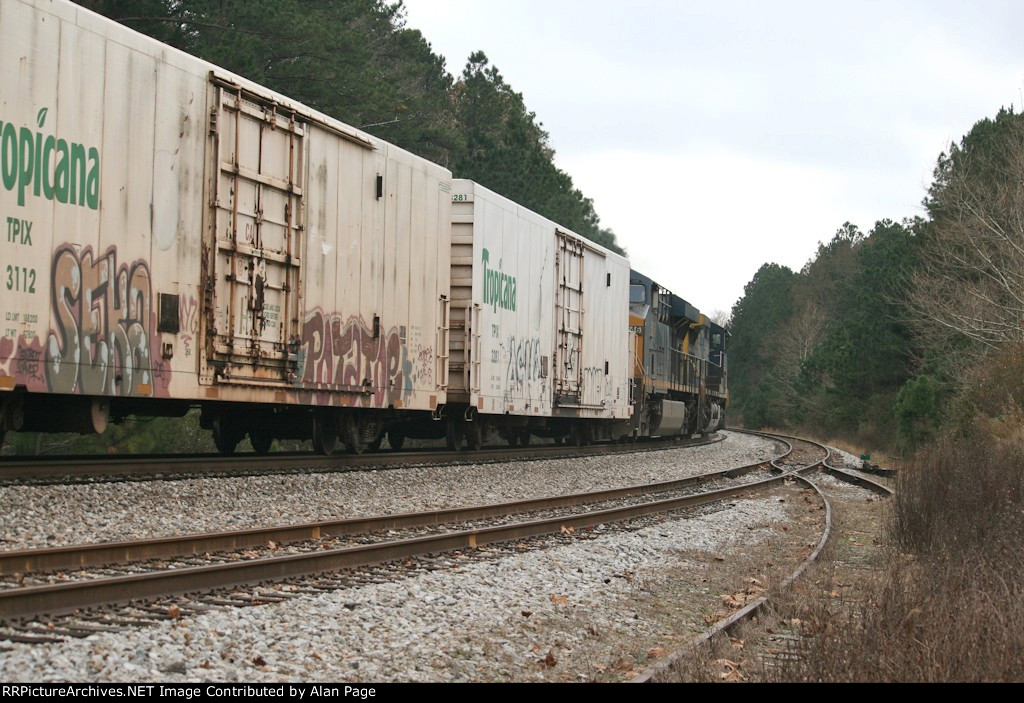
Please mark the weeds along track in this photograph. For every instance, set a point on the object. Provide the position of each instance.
(215, 570)
(15, 471)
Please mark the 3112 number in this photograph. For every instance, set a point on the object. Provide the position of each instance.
(21, 279)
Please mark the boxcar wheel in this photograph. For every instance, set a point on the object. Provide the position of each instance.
(353, 435)
(473, 429)
(325, 436)
(576, 436)
(396, 440)
(261, 441)
(225, 445)
(474, 435)
(324, 445)
(225, 437)
(355, 443)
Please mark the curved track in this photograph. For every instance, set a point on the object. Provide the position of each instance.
(211, 581)
(665, 665)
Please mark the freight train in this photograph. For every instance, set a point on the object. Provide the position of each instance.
(179, 237)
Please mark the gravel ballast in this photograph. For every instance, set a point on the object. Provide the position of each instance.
(576, 610)
(50, 516)
(568, 612)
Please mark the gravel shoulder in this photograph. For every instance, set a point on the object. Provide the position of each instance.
(50, 516)
(594, 608)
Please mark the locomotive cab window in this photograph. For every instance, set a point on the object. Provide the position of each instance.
(637, 295)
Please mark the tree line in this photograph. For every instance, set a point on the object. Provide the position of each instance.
(909, 329)
(357, 61)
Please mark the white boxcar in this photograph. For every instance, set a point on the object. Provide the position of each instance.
(540, 318)
(177, 232)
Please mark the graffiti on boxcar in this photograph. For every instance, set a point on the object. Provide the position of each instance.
(188, 322)
(525, 375)
(28, 365)
(104, 329)
(22, 359)
(424, 368)
(344, 354)
(596, 385)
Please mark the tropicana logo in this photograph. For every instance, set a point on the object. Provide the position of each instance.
(499, 288)
(49, 167)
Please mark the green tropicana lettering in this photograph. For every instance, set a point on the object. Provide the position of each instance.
(45, 166)
(499, 288)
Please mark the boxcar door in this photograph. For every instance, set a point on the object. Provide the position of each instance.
(569, 319)
(256, 236)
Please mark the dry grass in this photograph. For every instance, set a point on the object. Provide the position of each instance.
(942, 601)
(949, 603)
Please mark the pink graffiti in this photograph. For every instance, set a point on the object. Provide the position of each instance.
(24, 361)
(344, 355)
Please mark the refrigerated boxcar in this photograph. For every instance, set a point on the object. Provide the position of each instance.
(538, 326)
(177, 235)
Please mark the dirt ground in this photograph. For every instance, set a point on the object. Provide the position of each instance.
(757, 650)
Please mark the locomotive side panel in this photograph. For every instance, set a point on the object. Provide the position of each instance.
(680, 383)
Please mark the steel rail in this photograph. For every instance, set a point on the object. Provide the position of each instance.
(104, 553)
(242, 464)
(858, 480)
(840, 473)
(664, 665)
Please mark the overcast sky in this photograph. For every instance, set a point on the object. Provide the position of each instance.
(715, 137)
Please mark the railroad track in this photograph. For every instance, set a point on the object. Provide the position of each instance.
(805, 448)
(88, 469)
(459, 535)
(325, 547)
